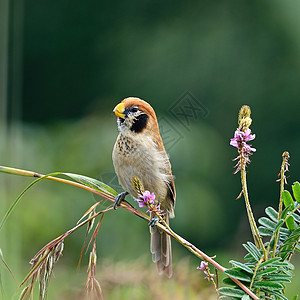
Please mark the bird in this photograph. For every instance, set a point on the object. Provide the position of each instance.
(139, 152)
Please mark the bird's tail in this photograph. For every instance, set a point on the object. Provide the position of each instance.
(160, 247)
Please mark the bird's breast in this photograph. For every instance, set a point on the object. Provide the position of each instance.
(126, 147)
(138, 156)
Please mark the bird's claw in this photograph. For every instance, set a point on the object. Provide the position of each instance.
(153, 222)
(119, 199)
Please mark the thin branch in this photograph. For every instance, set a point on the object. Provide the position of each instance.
(257, 238)
(283, 169)
(193, 249)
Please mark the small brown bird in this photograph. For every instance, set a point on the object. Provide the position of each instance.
(139, 152)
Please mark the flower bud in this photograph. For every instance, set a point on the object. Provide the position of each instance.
(137, 185)
(245, 112)
(245, 123)
(244, 119)
(286, 155)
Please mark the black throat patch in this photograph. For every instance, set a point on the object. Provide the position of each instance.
(140, 123)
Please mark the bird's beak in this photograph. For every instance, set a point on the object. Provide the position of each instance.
(119, 110)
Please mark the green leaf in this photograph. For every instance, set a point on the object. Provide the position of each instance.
(296, 191)
(276, 262)
(249, 257)
(272, 242)
(295, 297)
(266, 271)
(280, 277)
(279, 224)
(268, 285)
(272, 213)
(284, 231)
(238, 274)
(288, 247)
(289, 265)
(87, 181)
(269, 262)
(246, 297)
(229, 281)
(275, 293)
(242, 266)
(252, 249)
(290, 223)
(265, 231)
(232, 292)
(93, 183)
(296, 217)
(293, 237)
(285, 212)
(287, 199)
(266, 222)
(284, 253)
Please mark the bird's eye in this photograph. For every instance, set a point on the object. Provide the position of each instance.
(134, 109)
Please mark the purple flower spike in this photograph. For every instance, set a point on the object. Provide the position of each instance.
(141, 202)
(203, 266)
(241, 138)
(239, 141)
(147, 198)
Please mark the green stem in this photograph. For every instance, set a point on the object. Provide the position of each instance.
(210, 278)
(257, 239)
(255, 271)
(283, 169)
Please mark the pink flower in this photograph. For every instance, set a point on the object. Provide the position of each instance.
(203, 266)
(241, 138)
(239, 141)
(147, 198)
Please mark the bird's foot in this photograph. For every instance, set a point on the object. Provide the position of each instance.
(153, 222)
(119, 199)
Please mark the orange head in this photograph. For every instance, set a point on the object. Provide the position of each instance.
(136, 115)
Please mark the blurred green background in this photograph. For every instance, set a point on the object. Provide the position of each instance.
(65, 65)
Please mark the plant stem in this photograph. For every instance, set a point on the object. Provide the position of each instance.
(257, 238)
(255, 271)
(193, 249)
(197, 252)
(283, 169)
